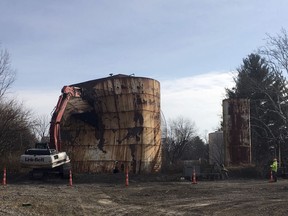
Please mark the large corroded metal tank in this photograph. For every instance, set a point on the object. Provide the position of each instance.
(116, 122)
(237, 131)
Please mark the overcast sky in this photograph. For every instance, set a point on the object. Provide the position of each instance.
(190, 46)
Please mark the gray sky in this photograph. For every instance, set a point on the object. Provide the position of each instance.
(190, 46)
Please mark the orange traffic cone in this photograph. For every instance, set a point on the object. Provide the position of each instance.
(4, 176)
(194, 177)
(70, 179)
(127, 178)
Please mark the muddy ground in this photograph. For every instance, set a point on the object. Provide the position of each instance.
(145, 195)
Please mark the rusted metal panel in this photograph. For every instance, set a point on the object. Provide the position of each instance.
(116, 119)
(236, 131)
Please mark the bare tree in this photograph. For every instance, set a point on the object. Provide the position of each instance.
(276, 51)
(41, 127)
(7, 74)
(15, 128)
(180, 134)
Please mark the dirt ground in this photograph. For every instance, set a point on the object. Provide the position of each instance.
(156, 195)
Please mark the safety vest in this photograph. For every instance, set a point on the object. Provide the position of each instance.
(274, 166)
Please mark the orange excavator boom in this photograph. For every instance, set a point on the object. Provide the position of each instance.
(67, 93)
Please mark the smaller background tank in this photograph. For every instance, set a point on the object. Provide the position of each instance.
(216, 148)
(236, 131)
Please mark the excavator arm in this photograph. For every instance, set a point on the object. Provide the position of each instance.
(67, 93)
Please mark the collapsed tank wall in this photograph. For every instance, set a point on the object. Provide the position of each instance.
(116, 119)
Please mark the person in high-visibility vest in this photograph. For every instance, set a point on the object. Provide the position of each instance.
(274, 168)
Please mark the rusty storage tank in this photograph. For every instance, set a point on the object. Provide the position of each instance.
(216, 147)
(116, 122)
(236, 131)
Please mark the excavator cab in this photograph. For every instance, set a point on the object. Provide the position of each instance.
(41, 149)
